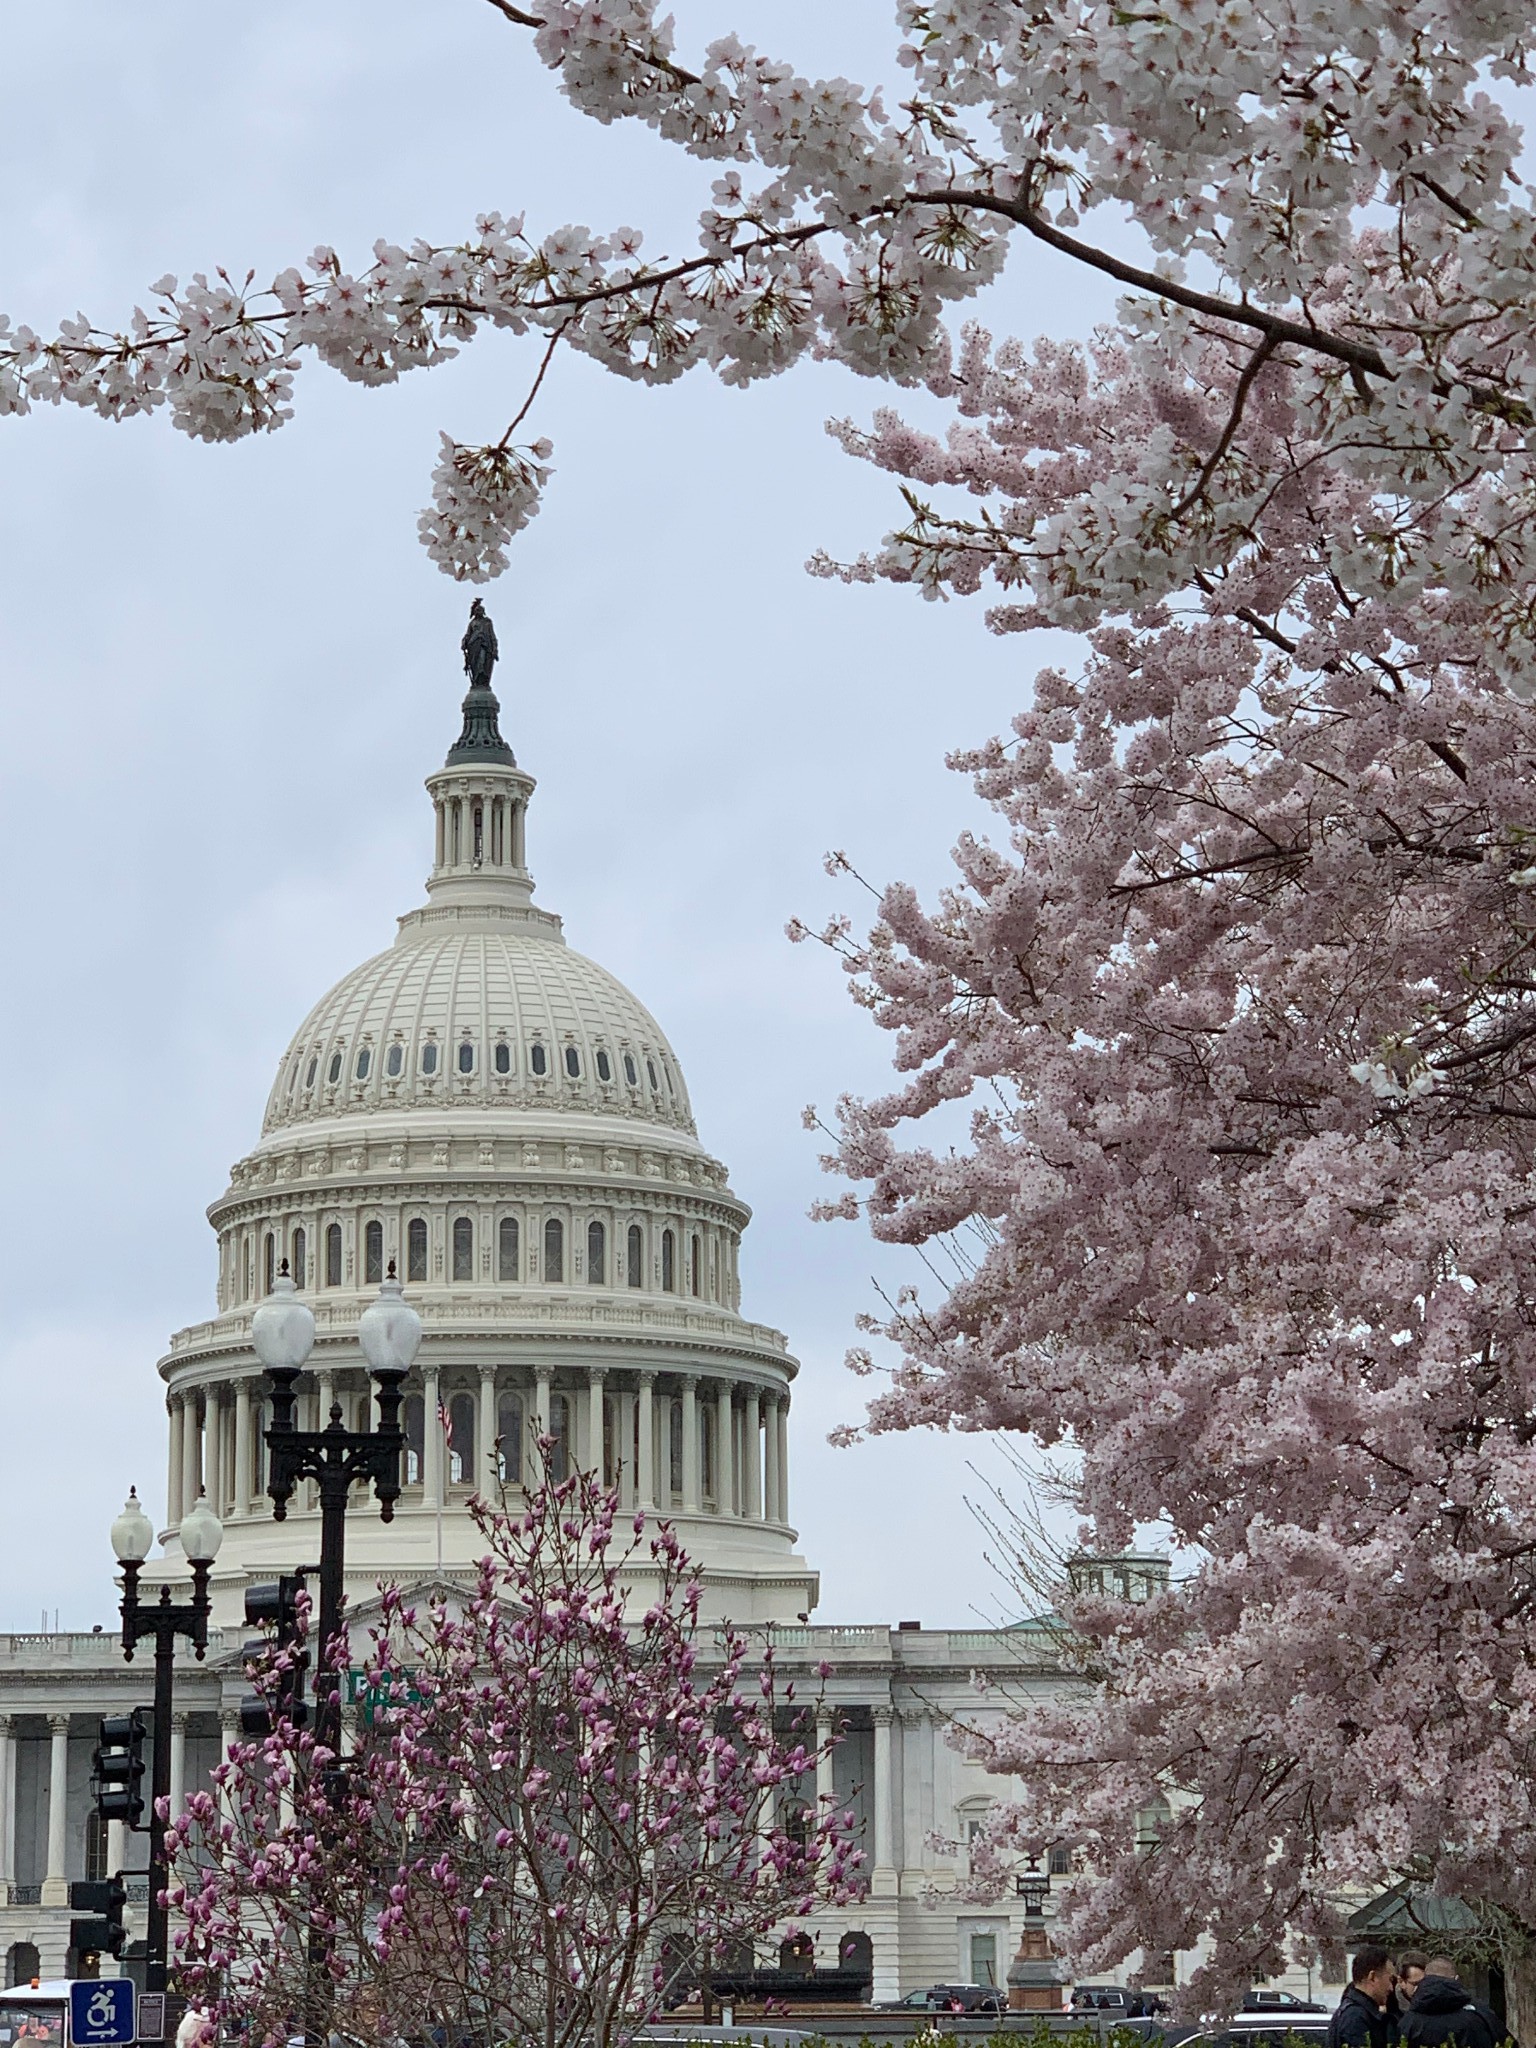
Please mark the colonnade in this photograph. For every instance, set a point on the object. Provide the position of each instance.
(695, 1443)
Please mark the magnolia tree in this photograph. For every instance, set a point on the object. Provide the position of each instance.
(561, 1803)
(1239, 997)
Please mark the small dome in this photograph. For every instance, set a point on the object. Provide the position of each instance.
(466, 1017)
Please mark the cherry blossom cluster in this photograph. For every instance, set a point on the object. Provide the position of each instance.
(564, 1789)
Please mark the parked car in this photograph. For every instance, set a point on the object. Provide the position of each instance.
(956, 1998)
(1279, 2001)
(1116, 2000)
(1266, 2029)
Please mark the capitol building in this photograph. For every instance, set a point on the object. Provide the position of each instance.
(493, 1112)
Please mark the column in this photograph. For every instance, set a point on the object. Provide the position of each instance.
(117, 1847)
(229, 1734)
(484, 1479)
(752, 1453)
(883, 1864)
(537, 1426)
(7, 1801)
(725, 1475)
(191, 1454)
(624, 1428)
(431, 1440)
(178, 1763)
(781, 1438)
(690, 1386)
(56, 1883)
(593, 1448)
(241, 1490)
(645, 1477)
(214, 1451)
(173, 1507)
(826, 1787)
(771, 1509)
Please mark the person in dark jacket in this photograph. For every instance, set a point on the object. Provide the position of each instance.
(1365, 2018)
(1444, 2011)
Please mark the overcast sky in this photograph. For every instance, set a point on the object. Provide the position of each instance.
(225, 671)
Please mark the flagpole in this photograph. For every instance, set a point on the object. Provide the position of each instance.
(445, 1424)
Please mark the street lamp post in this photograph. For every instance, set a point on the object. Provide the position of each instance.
(165, 1620)
(335, 1457)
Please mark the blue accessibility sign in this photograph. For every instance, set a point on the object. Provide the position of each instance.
(101, 2012)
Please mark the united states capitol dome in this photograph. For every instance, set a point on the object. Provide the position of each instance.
(495, 1118)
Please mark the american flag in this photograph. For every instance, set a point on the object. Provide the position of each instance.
(447, 1423)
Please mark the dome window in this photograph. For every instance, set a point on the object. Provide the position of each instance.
(300, 1258)
(634, 1258)
(309, 1071)
(604, 1066)
(373, 1253)
(394, 1060)
(416, 1248)
(429, 1057)
(467, 1056)
(333, 1255)
(597, 1253)
(269, 1262)
(333, 1071)
(463, 1248)
(507, 1249)
(668, 1262)
(509, 1439)
(630, 1073)
(538, 1059)
(364, 1062)
(554, 1249)
(573, 1062)
(695, 1268)
(650, 1068)
(503, 1057)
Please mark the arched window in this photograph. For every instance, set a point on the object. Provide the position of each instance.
(269, 1261)
(695, 1268)
(630, 1073)
(333, 1071)
(463, 1248)
(668, 1262)
(416, 1248)
(394, 1060)
(461, 1440)
(604, 1066)
(333, 1255)
(597, 1250)
(245, 1292)
(634, 1258)
(466, 1056)
(22, 1963)
(507, 1249)
(650, 1068)
(708, 1422)
(364, 1062)
(300, 1259)
(503, 1057)
(573, 1062)
(509, 1434)
(415, 1437)
(554, 1249)
(373, 1252)
(560, 1431)
(309, 1071)
(538, 1059)
(95, 1846)
(429, 1057)
(675, 1448)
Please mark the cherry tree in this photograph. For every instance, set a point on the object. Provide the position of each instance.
(569, 1791)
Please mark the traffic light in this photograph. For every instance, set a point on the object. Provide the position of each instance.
(104, 1933)
(275, 1605)
(117, 1765)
